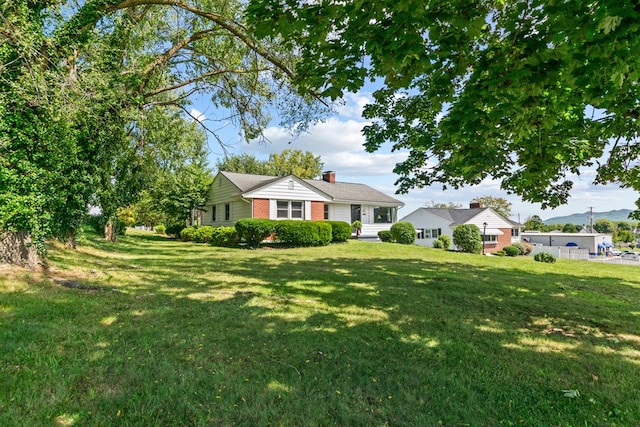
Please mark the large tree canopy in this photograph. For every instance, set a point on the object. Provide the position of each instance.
(81, 84)
(529, 92)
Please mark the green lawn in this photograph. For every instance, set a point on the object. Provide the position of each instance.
(163, 333)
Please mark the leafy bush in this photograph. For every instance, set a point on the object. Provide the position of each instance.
(498, 253)
(511, 251)
(385, 236)
(467, 238)
(203, 234)
(340, 231)
(224, 236)
(188, 234)
(175, 229)
(446, 241)
(437, 244)
(525, 248)
(160, 229)
(254, 230)
(403, 232)
(303, 233)
(544, 257)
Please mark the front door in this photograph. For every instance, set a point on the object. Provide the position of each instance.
(356, 213)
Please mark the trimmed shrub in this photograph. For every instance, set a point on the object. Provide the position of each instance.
(340, 231)
(160, 229)
(511, 251)
(224, 236)
(203, 234)
(303, 233)
(254, 230)
(188, 234)
(403, 232)
(437, 244)
(446, 241)
(525, 248)
(385, 236)
(498, 253)
(467, 238)
(544, 257)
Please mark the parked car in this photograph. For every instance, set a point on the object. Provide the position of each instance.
(615, 252)
(630, 255)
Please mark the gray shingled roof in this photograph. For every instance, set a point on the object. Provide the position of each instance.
(338, 191)
(456, 216)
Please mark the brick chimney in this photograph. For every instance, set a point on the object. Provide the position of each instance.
(475, 205)
(329, 176)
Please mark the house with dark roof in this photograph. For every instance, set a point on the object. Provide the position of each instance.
(496, 230)
(234, 196)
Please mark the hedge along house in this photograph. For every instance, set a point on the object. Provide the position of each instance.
(496, 230)
(234, 196)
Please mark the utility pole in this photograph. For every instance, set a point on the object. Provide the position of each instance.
(591, 218)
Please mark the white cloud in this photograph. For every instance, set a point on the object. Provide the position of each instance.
(198, 115)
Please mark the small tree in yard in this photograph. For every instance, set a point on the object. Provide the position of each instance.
(403, 232)
(467, 238)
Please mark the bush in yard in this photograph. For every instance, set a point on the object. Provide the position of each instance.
(385, 236)
(254, 230)
(160, 229)
(467, 238)
(224, 236)
(544, 257)
(525, 248)
(187, 234)
(175, 229)
(340, 231)
(498, 253)
(303, 233)
(203, 234)
(403, 232)
(437, 244)
(511, 250)
(446, 241)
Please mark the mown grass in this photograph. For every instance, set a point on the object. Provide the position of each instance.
(359, 334)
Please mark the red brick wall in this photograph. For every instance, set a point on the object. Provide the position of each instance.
(505, 239)
(317, 211)
(261, 208)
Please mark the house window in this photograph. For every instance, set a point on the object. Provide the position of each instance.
(326, 211)
(515, 232)
(428, 233)
(213, 213)
(287, 209)
(490, 238)
(227, 212)
(383, 215)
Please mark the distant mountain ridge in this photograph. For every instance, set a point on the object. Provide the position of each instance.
(583, 218)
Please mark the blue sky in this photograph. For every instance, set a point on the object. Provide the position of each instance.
(339, 142)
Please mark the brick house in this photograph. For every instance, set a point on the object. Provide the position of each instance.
(496, 230)
(233, 196)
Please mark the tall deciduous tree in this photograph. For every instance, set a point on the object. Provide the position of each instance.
(534, 222)
(528, 92)
(295, 162)
(78, 80)
(244, 163)
(499, 204)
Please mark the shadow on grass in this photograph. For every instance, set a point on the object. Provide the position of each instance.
(221, 336)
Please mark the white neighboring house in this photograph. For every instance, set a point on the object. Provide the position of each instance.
(497, 230)
(234, 196)
(594, 242)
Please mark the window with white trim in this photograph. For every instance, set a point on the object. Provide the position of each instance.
(490, 238)
(289, 209)
(428, 233)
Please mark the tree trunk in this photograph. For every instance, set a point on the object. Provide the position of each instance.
(71, 239)
(110, 232)
(16, 249)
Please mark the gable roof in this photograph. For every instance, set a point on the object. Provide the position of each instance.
(337, 191)
(463, 216)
